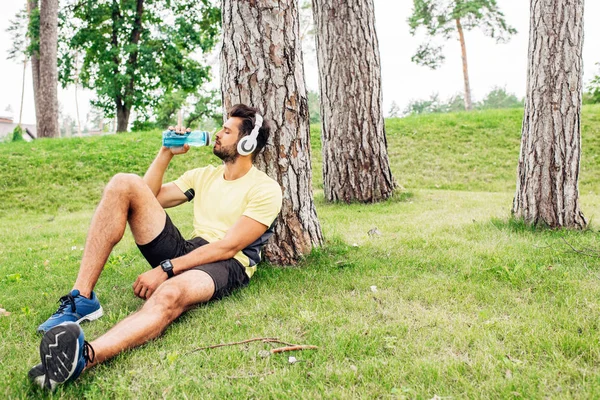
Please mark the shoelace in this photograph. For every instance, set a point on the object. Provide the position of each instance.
(87, 349)
(65, 301)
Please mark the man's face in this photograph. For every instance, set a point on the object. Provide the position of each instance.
(227, 140)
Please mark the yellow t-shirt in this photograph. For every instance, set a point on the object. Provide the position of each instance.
(219, 203)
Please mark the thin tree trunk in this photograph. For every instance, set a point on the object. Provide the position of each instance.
(32, 5)
(76, 100)
(132, 63)
(48, 122)
(122, 115)
(22, 91)
(463, 48)
(356, 166)
(261, 66)
(547, 187)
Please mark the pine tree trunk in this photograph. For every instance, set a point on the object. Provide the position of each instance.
(547, 186)
(261, 66)
(35, 67)
(463, 49)
(48, 84)
(356, 166)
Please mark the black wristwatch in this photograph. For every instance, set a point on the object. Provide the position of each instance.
(167, 266)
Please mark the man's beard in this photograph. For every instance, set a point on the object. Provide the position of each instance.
(227, 154)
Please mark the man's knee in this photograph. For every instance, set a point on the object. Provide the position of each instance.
(167, 301)
(124, 183)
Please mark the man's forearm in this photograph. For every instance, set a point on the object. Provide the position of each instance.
(156, 171)
(211, 252)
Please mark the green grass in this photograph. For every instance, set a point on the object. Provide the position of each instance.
(468, 303)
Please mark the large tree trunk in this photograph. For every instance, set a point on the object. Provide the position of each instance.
(48, 84)
(32, 5)
(356, 166)
(547, 186)
(261, 66)
(123, 113)
(463, 50)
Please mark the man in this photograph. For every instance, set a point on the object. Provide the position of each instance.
(235, 204)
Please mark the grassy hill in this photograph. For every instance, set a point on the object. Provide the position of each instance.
(475, 151)
(452, 300)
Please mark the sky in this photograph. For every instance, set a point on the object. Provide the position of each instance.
(490, 64)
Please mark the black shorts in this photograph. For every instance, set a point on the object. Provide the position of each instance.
(228, 275)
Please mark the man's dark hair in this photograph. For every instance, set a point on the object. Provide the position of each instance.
(247, 114)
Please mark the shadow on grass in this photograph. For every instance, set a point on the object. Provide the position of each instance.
(399, 196)
(333, 254)
(518, 225)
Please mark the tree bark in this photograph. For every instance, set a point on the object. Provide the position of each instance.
(48, 76)
(547, 187)
(463, 49)
(123, 113)
(261, 66)
(356, 166)
(35, 67)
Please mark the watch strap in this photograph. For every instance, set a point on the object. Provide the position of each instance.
(167, 266)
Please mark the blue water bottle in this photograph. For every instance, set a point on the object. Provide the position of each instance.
(192, 138)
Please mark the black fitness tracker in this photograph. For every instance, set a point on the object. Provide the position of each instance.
(167, 266)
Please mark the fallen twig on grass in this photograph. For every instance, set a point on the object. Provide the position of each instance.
(261, 339)
(294, 348)
(579, 251)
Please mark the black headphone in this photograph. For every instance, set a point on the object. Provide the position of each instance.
(248, 144)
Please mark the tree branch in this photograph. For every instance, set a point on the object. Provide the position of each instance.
(293, 348)
(262, 339)
(579, 251)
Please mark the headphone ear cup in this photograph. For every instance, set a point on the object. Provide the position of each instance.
(246, 145)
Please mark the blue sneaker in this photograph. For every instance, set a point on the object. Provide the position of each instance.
(64, 354)
(73, 308)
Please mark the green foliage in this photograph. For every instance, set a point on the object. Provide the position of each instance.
(394, 110)
(429, 55)
(314, 107)
(438, 18)
(207, 110)
(133, 57)
(142, 125)
(18, 29)
(165, 112)
(592, 94)
(17, 134)
(204, 114)
(435, 105)
(497, 98)
(33, 32)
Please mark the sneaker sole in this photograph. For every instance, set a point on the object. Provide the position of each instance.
(37, 375)
(89, 317)
(92, 316)
(59, 353)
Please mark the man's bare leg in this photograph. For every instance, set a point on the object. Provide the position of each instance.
(126, 198)
(170, 300)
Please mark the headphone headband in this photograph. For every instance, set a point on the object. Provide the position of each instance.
(248, 144)
(258, 121)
